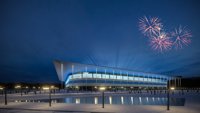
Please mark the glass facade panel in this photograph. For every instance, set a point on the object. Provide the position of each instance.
(87, 75)
(105, 76)
(130, 78)
(140, 79)
(119, 77)
(112, 76)
(97, 75)
(125, 78)
(153, 80)
(136, 78)
(77, 76)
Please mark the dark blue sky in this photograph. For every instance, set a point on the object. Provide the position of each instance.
(33, 33)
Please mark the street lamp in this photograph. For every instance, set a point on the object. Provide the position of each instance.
(19, 87)
(102, 89)
(168, 94)
(48, 88)
(5, 91)
(45, 88)
(52, 87)
(172, 88)
(49, 96)
(2, 88)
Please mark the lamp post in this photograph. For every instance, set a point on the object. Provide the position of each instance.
(19, 87)
(168, 91)
(2, 88)
(5, 93)
(49, 96)
(102, 89)
(168, 94)
(5, 97)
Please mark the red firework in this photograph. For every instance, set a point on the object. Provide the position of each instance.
(161, 42)
(182, 37)
(150, 26)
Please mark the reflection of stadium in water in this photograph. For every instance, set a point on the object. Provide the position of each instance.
(120, 99)
(78, 75)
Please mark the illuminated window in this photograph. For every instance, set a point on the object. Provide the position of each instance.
(97, 75)
(105, 76)
(76, 76)
(153, 80)
(119, 77)
(125, 78)
(112, 76)
(140, 79)
(136, 78)
(130, 78)
(87, 75)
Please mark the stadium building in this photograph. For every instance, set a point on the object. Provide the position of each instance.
(83, 75)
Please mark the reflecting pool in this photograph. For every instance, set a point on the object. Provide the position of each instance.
(119, 100)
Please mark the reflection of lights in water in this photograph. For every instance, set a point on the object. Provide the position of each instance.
(153, 98)
(158, 99)
(77, 100)
(131, 100)
(54, 101)
(140, 99)
(67, 100)
(95, 100)
(147, 99)
(122, 99)
(110, 99)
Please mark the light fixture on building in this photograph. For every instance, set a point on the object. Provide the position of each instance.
(1, 88)
(45, 88)
(102, 88)
(17, 86)
(172, 88)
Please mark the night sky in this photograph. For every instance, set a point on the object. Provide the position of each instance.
(34, 33)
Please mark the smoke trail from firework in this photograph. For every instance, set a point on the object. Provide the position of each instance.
(150, 26)
(182, 37)
(161, 42)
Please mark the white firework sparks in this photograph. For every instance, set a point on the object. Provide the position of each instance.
(182, 37)
(150, 26)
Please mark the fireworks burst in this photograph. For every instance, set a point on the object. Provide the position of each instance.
(182, 37)
(149, 26)
(161, 42)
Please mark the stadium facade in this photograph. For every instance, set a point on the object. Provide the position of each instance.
(77, 75)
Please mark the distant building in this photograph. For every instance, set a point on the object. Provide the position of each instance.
(78, 75)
